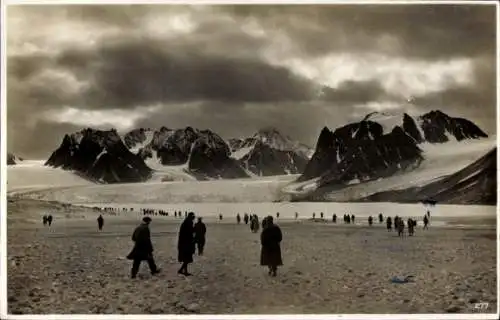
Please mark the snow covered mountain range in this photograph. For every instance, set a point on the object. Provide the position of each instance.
(382, 144)
(379, 146)
(201, 154)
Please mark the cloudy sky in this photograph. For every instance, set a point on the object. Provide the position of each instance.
(235, 69)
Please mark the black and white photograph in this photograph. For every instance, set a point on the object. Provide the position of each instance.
(196, 158)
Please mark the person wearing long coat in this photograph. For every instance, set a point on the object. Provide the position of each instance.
(270, 254)
(100, 222)
(143, 248)
(254, 224)
(199, 235)
(186, 244)
(389, 223)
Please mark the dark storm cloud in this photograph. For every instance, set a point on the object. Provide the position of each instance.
(420, 31)
(144, 73)
(355, 92)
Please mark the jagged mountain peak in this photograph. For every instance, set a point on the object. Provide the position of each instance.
(387, 120)
(438, 127)
(269, 152)
(270, 135)
(373, 116)
(99, 155)
(277, 140)
(269, 130)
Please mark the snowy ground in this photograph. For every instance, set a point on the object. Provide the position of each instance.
(33, 175)
(72, 268)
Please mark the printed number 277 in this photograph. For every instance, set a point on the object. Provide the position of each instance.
(481, 306)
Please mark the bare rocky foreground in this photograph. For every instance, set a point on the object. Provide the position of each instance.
(72, 268)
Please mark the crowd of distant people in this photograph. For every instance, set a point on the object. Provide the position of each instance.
(192, 236)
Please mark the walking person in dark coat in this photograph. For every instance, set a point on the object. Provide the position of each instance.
(389, 223)
(44, 220)
(254, 224)
(334, 218)
(238, 218)
(143, 248)
(49, 219)
(246, 218)
(186, 244)
(401, 228)
(411, 227)
(426, 222)
(100, 222)
(380, 218)
(370, 220)
(270, 239)
(199, 235)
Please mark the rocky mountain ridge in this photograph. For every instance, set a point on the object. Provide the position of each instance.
(377, 146)
(100, 156)
(380, 145)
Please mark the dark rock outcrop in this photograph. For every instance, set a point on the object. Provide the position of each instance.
(236, 144)
(362, 140)
(176, 148)
(264, 160)
(438, 126)
(367, 159)
(268, 153)
(134, 137)
(411, 129)
(210, 157)
(12, 159)
(100, 156)
(474, 184)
